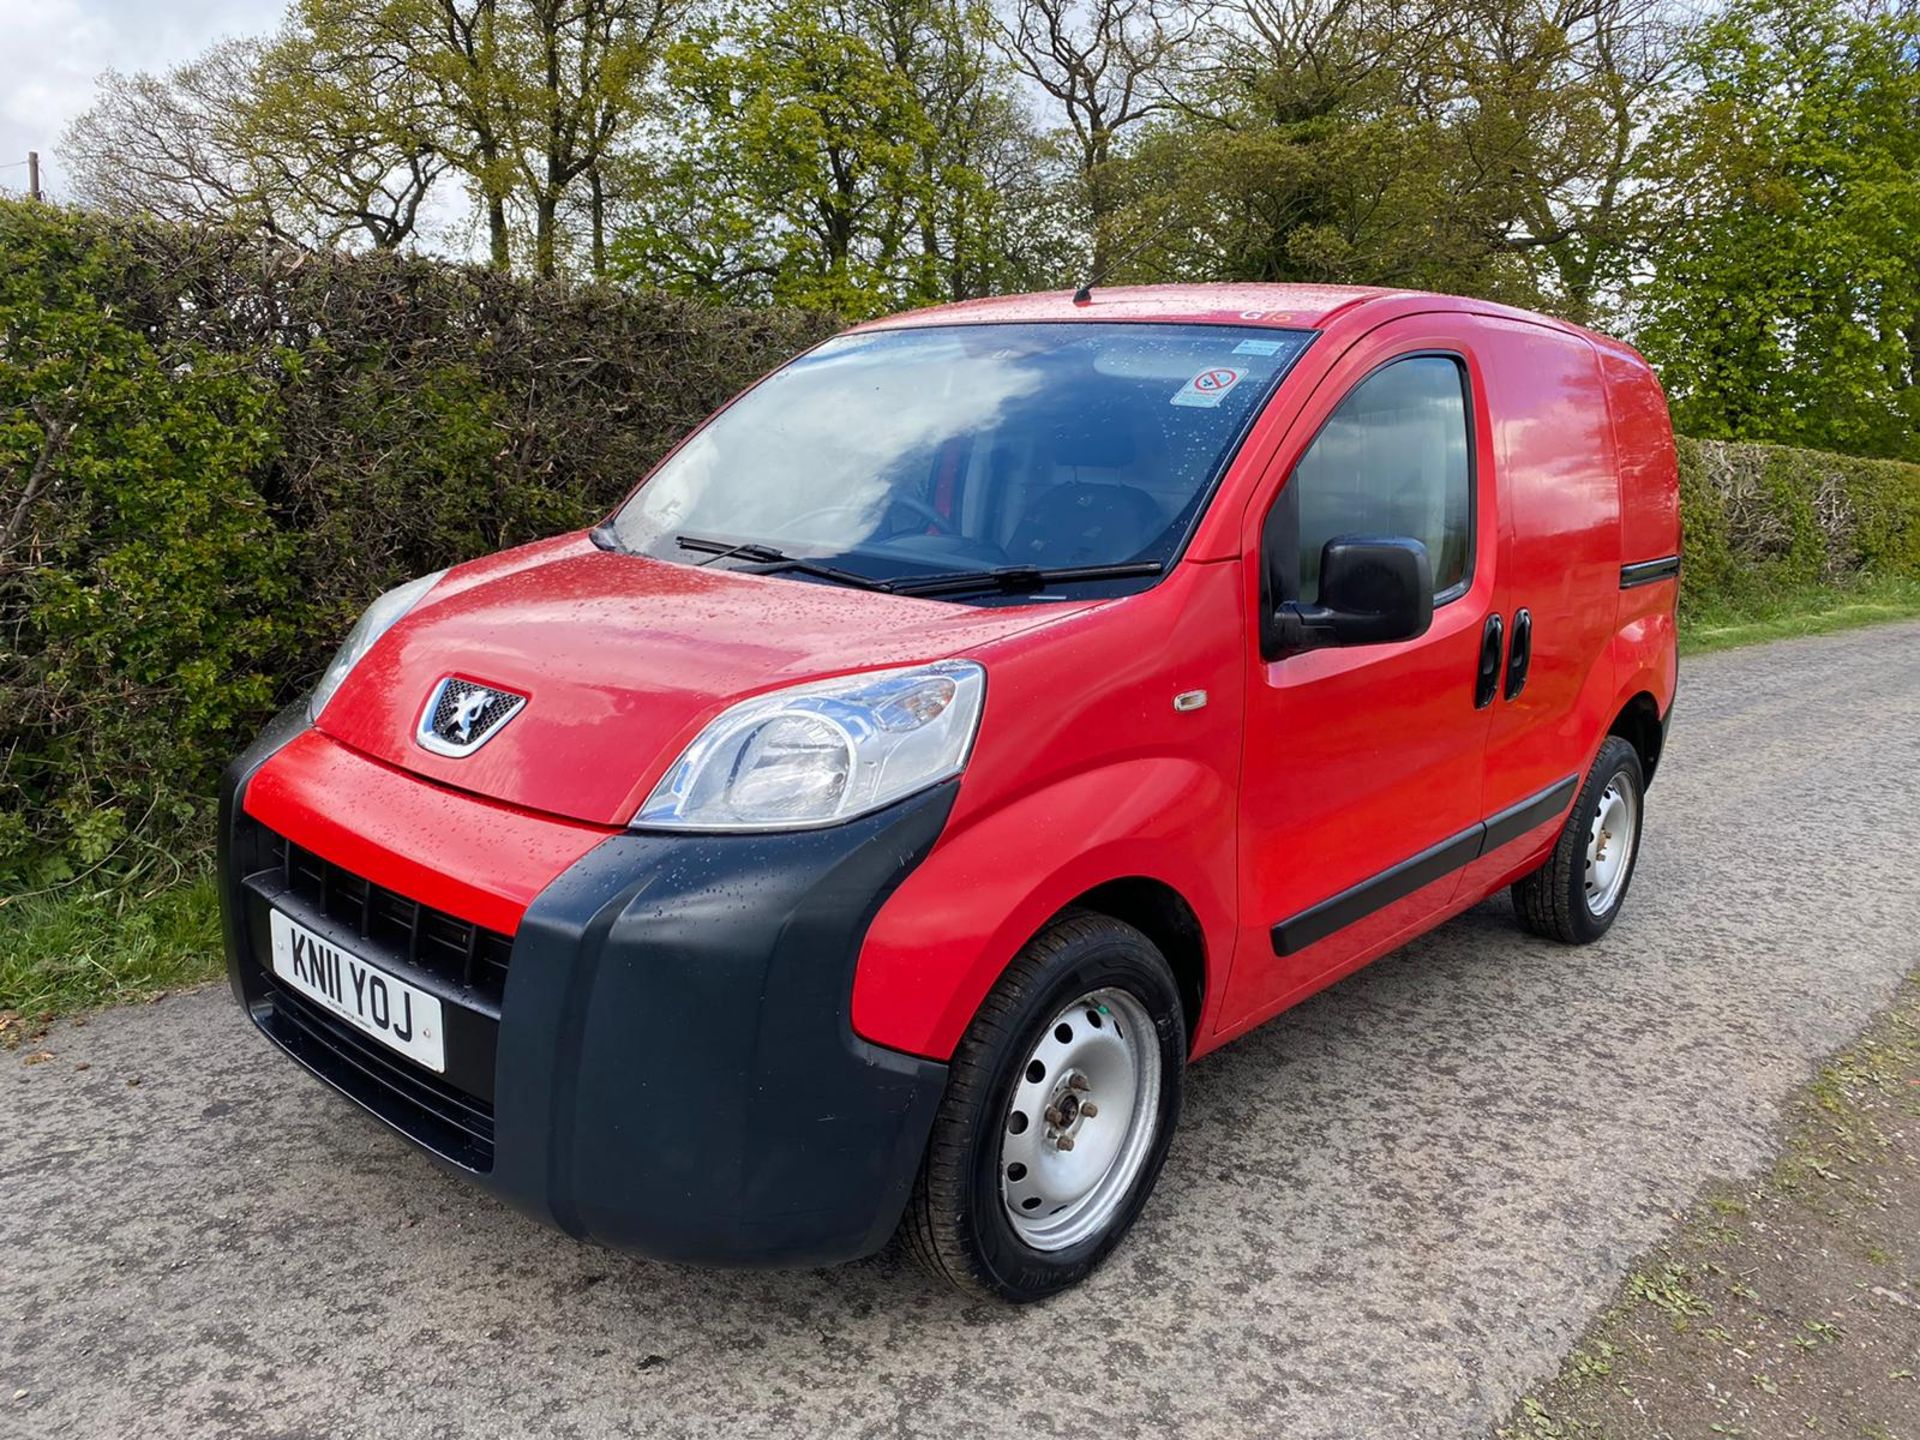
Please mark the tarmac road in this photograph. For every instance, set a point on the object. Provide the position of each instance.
(1386, 1213)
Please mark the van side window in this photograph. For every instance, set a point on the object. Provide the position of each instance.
(1392, 460)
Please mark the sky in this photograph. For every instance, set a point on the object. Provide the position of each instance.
(52, 50)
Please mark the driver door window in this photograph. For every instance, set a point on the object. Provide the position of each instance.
(1391, 461)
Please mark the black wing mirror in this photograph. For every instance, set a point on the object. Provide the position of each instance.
(1373, 590)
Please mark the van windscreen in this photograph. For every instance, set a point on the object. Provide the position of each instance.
(901, 453)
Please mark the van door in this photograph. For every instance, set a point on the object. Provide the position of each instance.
(1559, 585)
(1362, 769)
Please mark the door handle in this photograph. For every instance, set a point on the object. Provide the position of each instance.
(1519, 655)
(1487, 680)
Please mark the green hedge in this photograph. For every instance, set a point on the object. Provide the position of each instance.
(214, 452)
(1764, 521)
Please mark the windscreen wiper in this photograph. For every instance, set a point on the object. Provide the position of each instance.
(1018, 579)
(776, 560)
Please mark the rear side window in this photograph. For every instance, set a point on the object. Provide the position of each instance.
(1392, 460)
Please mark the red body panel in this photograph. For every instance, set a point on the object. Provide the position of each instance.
(1649, 468)
(1083, 774)
(1645, 643)
(1560, 553)
(1297, 779)
(1297, 307)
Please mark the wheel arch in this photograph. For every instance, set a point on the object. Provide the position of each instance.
(1638, 723)
(1162, 914)
(1150, 841)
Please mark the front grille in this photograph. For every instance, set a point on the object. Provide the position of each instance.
(450, 1113)
(415, 1101)
(431, 940)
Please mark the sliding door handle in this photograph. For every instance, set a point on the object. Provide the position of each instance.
(1487, 678)
(1519, 655)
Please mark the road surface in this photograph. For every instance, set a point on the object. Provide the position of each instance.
(1386, 1214)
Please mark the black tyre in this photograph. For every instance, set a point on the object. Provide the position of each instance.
(1577, 894)
(1082, 1042)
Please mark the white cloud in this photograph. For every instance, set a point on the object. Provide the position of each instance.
(55, 49)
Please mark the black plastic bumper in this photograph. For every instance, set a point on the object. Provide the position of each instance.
(675, 1071)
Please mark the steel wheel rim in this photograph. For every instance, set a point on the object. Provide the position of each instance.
(1610, 842)
(1093, 1081)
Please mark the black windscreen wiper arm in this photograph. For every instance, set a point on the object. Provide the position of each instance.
(776, 559)
(1018, 579)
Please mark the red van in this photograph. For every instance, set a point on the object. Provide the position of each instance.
(978, 719)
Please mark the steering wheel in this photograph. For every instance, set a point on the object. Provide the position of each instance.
(940, 523)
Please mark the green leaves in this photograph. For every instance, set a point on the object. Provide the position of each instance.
(1764, 521)
(812, 168)
(213, 453)
(1784, 299)
(140, 570)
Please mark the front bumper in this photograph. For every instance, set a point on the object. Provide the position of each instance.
(669, 1066)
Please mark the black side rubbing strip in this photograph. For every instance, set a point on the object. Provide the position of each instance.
(1516, 820)
(1383, 889)
(1646, 572)
(1313, 925)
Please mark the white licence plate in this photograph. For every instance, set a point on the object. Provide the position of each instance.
(397, 1014)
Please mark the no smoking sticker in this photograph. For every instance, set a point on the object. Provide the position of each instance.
(1209, 387)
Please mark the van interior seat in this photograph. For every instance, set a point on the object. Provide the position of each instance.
(1086, 510)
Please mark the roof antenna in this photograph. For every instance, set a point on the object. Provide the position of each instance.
(1084, 295)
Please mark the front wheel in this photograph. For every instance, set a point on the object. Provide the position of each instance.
(1577, 894)
(1060, 1104)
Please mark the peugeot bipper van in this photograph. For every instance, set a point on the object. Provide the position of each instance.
(979, 719)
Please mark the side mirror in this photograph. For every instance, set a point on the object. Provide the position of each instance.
(1374, 590)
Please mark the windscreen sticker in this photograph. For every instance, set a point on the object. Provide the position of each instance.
(1209, 387)
(1257, 347)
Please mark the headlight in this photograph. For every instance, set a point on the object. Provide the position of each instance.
(823, 753)
(379, 618)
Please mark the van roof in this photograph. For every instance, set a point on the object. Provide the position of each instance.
(1287, 307)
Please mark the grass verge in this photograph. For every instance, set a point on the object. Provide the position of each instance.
(69, 950)
(1816, 610)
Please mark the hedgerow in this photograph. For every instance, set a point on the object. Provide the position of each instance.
(1763, 520)
(214, 452)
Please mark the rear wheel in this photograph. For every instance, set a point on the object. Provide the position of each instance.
(1060, 1104)
(1577, 894)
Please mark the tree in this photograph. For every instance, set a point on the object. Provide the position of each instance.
(976, 233)
(827, 155)
(176, 144)
(348, 136)
(1104, 64)
(313, 149)
(524, 98)
(1554, 100)
(342, 124)
(578, 86)
(1319, 142)
(1493, 147)
(1784, 297)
